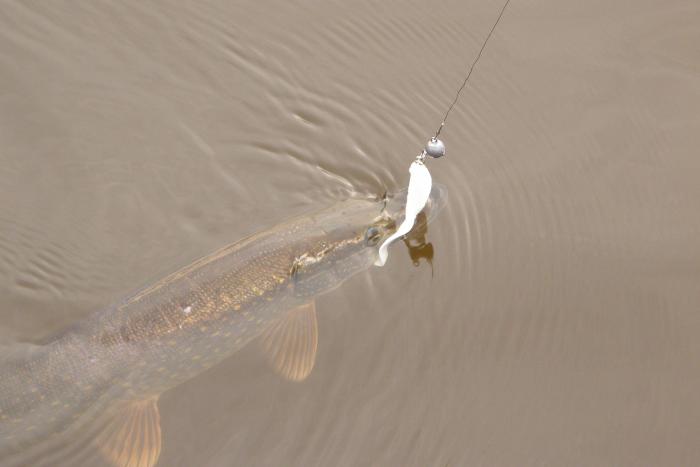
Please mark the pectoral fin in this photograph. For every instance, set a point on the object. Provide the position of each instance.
(133, 438)
(290, 344)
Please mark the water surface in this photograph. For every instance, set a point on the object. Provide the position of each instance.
(559, 324)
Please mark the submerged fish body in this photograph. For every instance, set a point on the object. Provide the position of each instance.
(189, 321)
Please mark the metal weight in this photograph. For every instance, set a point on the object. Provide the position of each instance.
(435, 148)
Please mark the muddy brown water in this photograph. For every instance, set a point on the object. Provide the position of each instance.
(559, 324)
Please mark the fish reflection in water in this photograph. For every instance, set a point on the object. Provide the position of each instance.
(103, 377)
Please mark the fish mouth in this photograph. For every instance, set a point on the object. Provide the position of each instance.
(395, 207)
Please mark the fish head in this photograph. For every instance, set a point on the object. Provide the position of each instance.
(349, 236)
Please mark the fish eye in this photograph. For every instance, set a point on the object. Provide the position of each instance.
(372, 236)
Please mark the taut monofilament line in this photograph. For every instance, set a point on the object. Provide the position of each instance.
(471, 69)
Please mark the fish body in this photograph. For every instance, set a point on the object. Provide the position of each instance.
(187, 322)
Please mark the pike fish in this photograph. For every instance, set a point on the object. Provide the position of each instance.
(113, 365)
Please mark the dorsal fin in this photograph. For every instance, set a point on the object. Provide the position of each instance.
(290, 344)
(133, 437)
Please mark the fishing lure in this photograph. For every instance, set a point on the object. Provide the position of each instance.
(420, 181)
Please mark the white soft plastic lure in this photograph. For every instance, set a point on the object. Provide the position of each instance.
(419, 186)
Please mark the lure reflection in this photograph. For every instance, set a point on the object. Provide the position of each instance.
(415, 241)
(104, 376)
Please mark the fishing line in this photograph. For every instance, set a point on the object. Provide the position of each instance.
(471, 68)
(420, 182)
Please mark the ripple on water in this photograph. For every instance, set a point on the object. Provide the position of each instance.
(565, 264)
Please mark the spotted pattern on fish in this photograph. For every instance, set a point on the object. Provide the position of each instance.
(174, 329)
